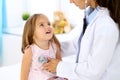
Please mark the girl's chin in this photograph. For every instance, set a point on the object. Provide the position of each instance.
(49, 38)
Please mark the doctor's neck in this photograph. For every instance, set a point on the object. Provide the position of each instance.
(93, 4)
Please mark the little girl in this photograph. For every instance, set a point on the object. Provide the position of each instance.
(38, 38)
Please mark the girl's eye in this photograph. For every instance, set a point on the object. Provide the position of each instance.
(49, 24)
(41, 24)
(44, 24)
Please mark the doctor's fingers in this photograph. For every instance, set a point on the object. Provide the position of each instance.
(54, 61)
(49, 67)
(51, 59)
(46, 64)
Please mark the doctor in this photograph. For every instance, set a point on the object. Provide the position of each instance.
(97, 49)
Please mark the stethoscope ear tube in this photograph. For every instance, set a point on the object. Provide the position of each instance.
(84, 25)
(84, 20)
(83, 31)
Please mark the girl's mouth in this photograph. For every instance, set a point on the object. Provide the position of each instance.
(48, 32)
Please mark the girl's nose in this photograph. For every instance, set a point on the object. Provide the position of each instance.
(48, 26)
(71, 1)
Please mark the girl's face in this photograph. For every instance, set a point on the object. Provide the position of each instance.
(43, 30)
(79, 3)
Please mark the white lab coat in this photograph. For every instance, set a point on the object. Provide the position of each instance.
(99, 57)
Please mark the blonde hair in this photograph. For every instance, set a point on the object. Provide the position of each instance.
(28, 32)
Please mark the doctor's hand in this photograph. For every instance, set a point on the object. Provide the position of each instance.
(51, 65)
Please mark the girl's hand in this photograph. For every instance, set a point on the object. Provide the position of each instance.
(51, 65)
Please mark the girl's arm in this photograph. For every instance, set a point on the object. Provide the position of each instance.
(26, 62)
(58, 55)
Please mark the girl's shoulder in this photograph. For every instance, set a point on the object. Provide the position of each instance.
(28, 52)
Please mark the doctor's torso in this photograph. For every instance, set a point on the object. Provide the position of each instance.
(98, 47)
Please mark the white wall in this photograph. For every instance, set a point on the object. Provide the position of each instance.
(73, 13)
(11, 49)
(44, 6)
(14, 12)
(15, 8)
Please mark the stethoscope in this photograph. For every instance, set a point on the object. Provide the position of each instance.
(83, 31)
(79, 44)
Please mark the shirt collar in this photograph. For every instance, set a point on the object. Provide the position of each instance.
(90, 13)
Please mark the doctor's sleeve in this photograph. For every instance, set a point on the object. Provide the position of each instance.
(68, 48)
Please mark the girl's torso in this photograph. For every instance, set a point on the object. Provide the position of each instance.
(41, 56)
